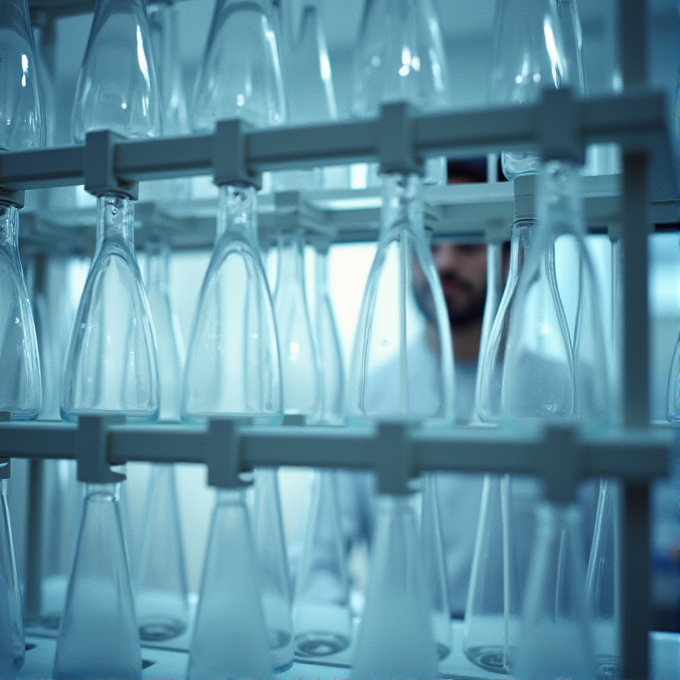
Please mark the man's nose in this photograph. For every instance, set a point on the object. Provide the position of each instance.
(445, 257)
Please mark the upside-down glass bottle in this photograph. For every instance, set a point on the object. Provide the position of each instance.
(161, 584)
(164, 32)
(400, 57)
(111, 365)
(308, 77)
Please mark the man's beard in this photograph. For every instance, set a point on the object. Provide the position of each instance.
(461, 313)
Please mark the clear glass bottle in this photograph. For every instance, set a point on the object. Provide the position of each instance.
(111, 363)
(21, 386)
(165, 40)
(22, 126)
(399, 57)
(230, 635)
(328, 342)
(321, 614)
(233, 365)
(117, 88)
(528, 55)
(12, 648)
(494, 607)
(22, 120)
(300, 368)
(98, 636)
(273, 560)
(308, 77)
(161, 582)
(240, 74)
(435, 567)
(603, 583)
(556, 637)
(384, 376)
(395, 638)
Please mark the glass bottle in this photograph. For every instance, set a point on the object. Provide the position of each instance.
(493, 610)
(673, 389)
(111, 363)
(117, 88)
(20, 386)
(310, 93)
(22, 121)
(233, 365)
(161, 587)
(400, 57)
(22, 126)
(230, 636)
(435, 567)
(321, 614)
(240, 74)
(528, 55)
(556, 636)
(98, 636)
(165, 40)
(395, 638)
(384, 377)
(603, 583)
(300, 369)
(12, 648)
(273, 560)
(328, 343)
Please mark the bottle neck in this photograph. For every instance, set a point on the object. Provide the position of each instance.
(291, 258)
(237, 211)
(520, 246)
(9, 226)
(402, 203)
(116, 220)
(157, 266)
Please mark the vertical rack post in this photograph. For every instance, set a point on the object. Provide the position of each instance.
(635, 581)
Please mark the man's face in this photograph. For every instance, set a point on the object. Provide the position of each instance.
(462, 272)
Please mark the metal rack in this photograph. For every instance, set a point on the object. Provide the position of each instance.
(557, 126)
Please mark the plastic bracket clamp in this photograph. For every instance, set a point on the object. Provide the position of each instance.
(559, 127)
(561, 463)
(393, 460)
(396, 140)
(524, 188)
(99, 166)
(92, 450)
(14, 196)
(230, 155)
(222, 449)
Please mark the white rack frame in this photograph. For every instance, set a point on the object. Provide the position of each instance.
(557, 126)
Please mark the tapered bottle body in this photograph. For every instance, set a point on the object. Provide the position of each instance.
(22, 120)
(556, 635)
(300, 368)
(12, 647)
(395, 638)
(111, 363)
(230, 633)
(117, 87)
(233, 365)
(240, 74)
(20, 381)
(98, 636)
(383, 376)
